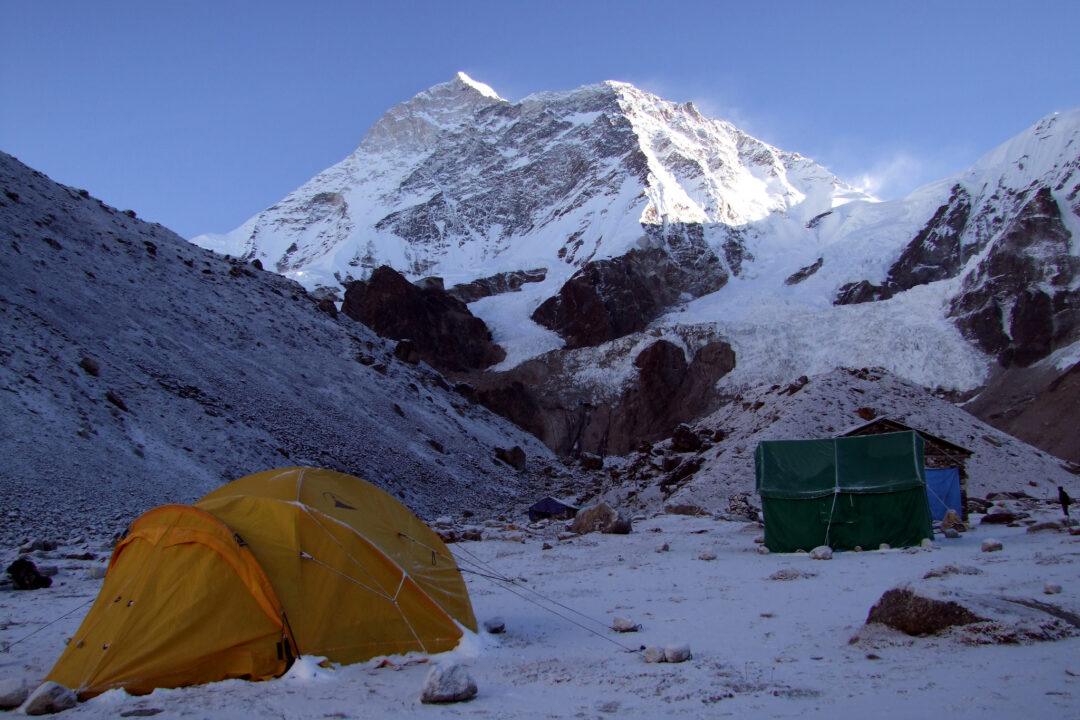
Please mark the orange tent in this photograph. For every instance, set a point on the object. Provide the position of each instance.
(300, 560)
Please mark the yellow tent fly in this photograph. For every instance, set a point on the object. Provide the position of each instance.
(283, 562)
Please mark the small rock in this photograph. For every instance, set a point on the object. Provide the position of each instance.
(495, 625)
(857, 548)
(707, 555)
(624, 625)
(821, 552)
(663, 548)
(991, 545)
(13, 691)
(1051, 589)
(762, 550)
(48, 570)
(951, 520)
(952, 533)
(653, 654)
(1049, 525)
(927, 544)
(760, 539)
(677, 653)
(448, 683)
(884, 546)
(546, 546)
(50, 697)
(96, 572)
(788, 573)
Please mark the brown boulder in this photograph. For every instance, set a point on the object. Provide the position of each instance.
(902, 609)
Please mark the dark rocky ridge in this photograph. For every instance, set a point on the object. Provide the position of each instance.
(608, 299)
(1021, 301)
(445, 334)
(496, 284)
(936, 253)
(664, 390)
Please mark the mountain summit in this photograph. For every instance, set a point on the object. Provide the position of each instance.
(461, 183)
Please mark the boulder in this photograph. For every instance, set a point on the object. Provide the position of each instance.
(447, 684)
(600, 517)
(916, 614)
(928, 609)
(624, 625)
(684, 440)
(821, 552)
(991, 545)
(25, 576)
(13, 691)
(495, 625)
(677, 653)
(1001, 517)
(514, 457)
(653, 654)
(951, 521)
(50, 697)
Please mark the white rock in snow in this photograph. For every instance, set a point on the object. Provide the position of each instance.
(621, 624)
(677, 653)
(1051, 588)
(653, 654)
(13, 691)
(821, 552)
(50, 697)
(448, 683)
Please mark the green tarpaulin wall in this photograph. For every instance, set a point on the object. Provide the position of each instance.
(843, 492)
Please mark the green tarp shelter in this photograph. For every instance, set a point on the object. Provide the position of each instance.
(843, 492)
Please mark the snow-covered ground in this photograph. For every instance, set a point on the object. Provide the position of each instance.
(762, 648)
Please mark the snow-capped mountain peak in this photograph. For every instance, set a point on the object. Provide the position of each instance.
(462, 183)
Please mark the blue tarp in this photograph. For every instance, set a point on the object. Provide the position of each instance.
(943, 491)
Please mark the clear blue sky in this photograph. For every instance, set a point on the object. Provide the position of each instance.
(199, 114)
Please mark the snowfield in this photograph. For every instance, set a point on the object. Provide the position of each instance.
(762, 648)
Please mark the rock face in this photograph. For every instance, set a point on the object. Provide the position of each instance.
(497, 284)
(662, 391)
(443, 331)
(935, 253)
(608, 299)
(1022, 301)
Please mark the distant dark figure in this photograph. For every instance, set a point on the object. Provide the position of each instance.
(25, 576)
(1066, 501)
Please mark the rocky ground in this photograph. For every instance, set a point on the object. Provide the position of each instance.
(770, 635)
